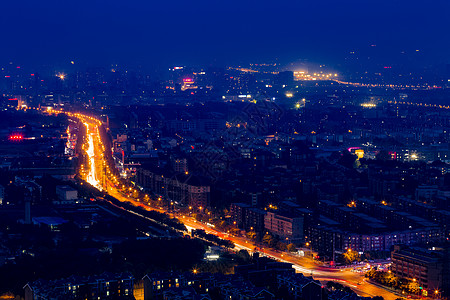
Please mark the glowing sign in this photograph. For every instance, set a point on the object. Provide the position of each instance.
(359, 153)
(352, 148)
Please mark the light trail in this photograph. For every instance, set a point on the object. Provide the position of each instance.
(91, 177)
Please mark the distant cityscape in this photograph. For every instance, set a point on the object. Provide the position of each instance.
(263, 181)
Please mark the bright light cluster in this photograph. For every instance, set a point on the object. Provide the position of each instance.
(368, 105)
(16, 137)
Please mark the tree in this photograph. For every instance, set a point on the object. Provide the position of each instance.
(228, 244)
(370, 274)
(339, 287)
(197, 217)
(269, 240)
(351, 256)
(391, 280)
(291, 247)
(235, 231)
(251, 235)
(220, 224)
(281, 246)
(413, 287)
(244, 255)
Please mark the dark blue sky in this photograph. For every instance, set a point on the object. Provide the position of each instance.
(198, 31)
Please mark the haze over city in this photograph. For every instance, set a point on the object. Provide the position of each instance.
(158, 33)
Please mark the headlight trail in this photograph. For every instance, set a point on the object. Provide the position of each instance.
(91, 177)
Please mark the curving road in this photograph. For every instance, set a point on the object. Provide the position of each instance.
(97, 175)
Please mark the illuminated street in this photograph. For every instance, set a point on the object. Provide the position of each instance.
(97, 175)
(91, 177)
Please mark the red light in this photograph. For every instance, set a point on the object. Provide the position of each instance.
(16, 137)
(7, 76)
(187, 80)
(32, 74)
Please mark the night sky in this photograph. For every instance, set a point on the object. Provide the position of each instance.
(218, 32)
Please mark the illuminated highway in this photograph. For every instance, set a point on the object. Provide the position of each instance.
(91, 177)
(98, 175)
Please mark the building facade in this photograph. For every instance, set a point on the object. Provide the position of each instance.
(286, 226)
(422, 265)
(180, 190)
(104, 286)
